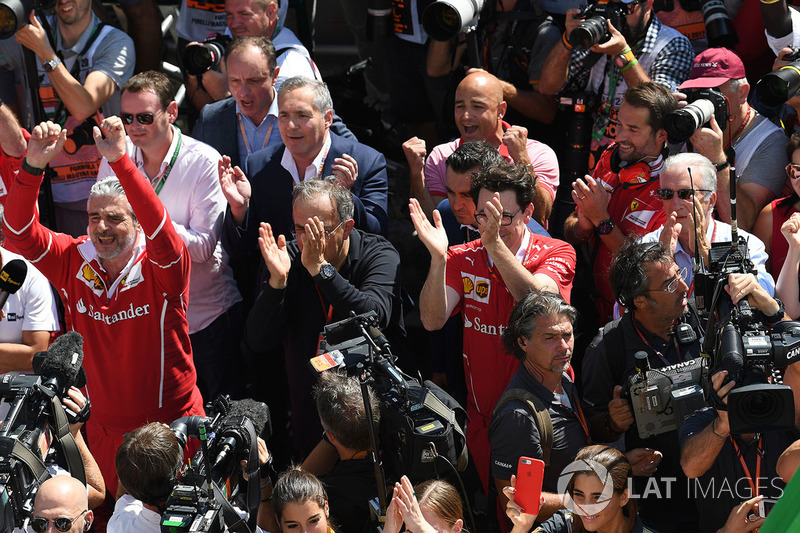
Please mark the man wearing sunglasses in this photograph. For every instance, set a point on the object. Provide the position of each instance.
(689, 204)
(328, 271)
(642, 50)
(61, 505)
(183, 173)
(483, 279)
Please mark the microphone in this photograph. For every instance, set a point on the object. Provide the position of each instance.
(62, 364)
(235, 436)
(257, 412)
(379, 339)
(12, 276)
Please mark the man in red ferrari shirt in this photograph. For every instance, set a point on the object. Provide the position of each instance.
(13, 143)
(124, 288)
(483, 279)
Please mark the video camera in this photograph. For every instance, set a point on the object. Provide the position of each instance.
(14, 14)
(35, 422)
(702, 105)
(199, 501)
(594, 28)
(662, 398)
(199, 58)
(775, 88)
(420, 423)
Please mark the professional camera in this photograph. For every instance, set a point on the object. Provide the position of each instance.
(200, 501)
(702, 105)
(14, 14)
(594, 29)
(662, 398)
(775, 88)
(445, 19)
(36, 421)
(201, 57)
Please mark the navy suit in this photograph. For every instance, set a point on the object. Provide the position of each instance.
(271, 199)
(218, 127)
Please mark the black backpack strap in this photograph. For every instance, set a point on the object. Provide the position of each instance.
(437, 406)
(540, 415)
(67, 441)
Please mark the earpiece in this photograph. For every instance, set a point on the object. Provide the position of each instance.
(87, 524)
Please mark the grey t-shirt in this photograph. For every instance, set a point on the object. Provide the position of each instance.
(766, 166)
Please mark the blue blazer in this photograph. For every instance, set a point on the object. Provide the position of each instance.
(218, 127)
(271, 198)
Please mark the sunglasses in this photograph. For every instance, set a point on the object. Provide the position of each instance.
(793, 171)
(145, 119)
(683, 194)
(63, 524)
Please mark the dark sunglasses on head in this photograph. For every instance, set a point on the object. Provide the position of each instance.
(63, 524)
(683, 194)
(144, 119)
(793, 171)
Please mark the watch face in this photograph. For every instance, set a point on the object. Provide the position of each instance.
(327, 271)
(605, 227)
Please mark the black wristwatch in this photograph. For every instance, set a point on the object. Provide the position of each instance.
(719, 167)
(327, 271)
(605, 227)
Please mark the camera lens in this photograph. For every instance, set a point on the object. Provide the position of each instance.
(13, 16)
(444, 19)
(590, 32)
(778, 86)
(199, 58)
(719, 28)
(682, 123)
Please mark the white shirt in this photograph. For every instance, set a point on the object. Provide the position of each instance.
(314, 170)
(196, 205)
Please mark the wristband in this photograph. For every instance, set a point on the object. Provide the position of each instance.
(722, 166)
(35, 171)
(565, 42)
(769, 2)
(777, 317)
(625, 52)
(629, 65)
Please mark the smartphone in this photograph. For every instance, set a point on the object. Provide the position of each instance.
(530, 474)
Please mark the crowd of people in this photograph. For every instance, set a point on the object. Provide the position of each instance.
(563, 229)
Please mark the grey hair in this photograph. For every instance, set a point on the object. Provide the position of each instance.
(737, 83)
(704, 175)
(327, 186)
(522, 322)
(322, 96)
(110, 186)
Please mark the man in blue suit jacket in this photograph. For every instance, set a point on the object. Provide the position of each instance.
(310, 151)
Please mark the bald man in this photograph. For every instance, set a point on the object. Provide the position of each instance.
(63, 497)
(479, 111)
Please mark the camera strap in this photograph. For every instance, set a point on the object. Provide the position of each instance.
(67, 441)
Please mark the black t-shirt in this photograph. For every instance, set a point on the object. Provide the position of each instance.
(725, 484)
(513, 432)
(350, 486)
(562, 521)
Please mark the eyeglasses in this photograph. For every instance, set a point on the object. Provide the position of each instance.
(683, 194)
(63, 524)
(672, 286)
(505, 220)
(145, 119)
(793, 171)
(328, 232)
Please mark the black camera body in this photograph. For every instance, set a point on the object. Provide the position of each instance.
(14, 14)
(702, 104)
(201, 57)
(594, 28)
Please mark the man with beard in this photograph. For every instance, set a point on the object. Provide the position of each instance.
(642, 50)
(619, 199)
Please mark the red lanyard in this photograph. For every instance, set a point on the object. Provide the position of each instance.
(753, 486)
(659, 354)
(582, 419)
(745, 122)
(329, 313)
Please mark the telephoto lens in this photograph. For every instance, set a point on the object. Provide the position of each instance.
(775, 88)
(445, 19)
(202, 57)
(682, 123)
(719, 28)
(590, 32)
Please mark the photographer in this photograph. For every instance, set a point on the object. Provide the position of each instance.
(732, 468)
(642, 50)
(149, 463)
(690, 220)
(758, 144)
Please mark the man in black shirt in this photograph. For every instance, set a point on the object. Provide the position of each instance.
(328, 271)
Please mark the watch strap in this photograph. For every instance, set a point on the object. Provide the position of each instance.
(34, 171)
(719, 167)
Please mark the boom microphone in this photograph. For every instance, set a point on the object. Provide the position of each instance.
(257, 412)
(12, 276)
(234, 437)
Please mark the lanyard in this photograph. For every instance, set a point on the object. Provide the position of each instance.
(159, 181)
(581, 418)
(659, 354)
(244, 135)
(744, 124)
(753, 486)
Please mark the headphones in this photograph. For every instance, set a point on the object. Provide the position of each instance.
(631, 175)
